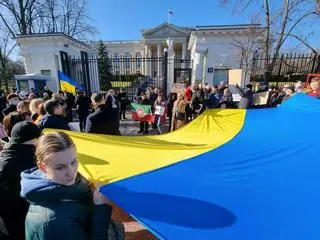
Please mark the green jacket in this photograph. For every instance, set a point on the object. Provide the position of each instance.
(60, 212)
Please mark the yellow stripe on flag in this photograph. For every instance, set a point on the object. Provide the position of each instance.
(65, 86)
(108, 159)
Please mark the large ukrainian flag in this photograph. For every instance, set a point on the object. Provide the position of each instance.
(67, 84)
(229, 174)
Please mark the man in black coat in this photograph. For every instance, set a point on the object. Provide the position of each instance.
(83, 105)
(102, 120)
(122, 98)
(17, 155)
(54, 117)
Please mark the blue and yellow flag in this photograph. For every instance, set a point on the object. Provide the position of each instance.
(229, 174)
(67, 84)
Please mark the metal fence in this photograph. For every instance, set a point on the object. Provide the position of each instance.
(132, 74)
(287, 67)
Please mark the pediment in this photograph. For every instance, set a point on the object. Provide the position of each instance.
(165, 31)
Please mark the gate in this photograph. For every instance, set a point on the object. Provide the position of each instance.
(182, 71)
(132, 74)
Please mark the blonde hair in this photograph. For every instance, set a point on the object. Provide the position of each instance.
(34, 105)
(52, 143)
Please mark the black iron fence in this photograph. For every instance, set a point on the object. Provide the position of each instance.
(182, 71)
(132, 74)
(287, 67)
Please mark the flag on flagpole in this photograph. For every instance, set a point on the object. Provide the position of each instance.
(170, 12)
(68, 84)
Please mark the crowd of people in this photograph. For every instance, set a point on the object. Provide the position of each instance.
(42, 195)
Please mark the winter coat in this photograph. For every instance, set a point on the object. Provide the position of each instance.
(83, 104)
(102, 121)
(213, 100)
(53, 121)
(198, 100)
(14, 159)
(62, 212)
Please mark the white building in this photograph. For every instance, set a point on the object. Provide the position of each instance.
(42, 58)
(209, 47)
(202, 53)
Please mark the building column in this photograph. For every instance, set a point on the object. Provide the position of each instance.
(146, 59)
(158, 60)
(184, 50)
(149, 62)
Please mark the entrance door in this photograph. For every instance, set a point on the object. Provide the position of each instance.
(220, 75)
(39, 85)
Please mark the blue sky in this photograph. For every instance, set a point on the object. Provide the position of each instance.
(123, 19)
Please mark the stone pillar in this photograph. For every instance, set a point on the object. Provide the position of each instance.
(149, 62)
(158, 60)
(198, 66)
(171, 55)
(146, 59)
(184, 50)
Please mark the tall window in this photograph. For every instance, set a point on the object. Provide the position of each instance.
(127, 62)
(116, 65)
(138, 60)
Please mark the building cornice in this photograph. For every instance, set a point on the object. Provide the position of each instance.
(52, 36)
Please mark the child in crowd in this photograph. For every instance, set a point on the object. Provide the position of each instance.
(62, 205)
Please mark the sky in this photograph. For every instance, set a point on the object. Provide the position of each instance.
(124, 19)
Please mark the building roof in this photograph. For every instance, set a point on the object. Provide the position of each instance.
(46, 35)
(226, 27)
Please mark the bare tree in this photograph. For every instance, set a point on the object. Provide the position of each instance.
(247, 47)
(7, 47)
(46, 16)
(281, 21)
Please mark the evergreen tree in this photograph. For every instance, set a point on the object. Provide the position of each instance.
(104, 67)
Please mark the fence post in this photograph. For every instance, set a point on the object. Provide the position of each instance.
(85, 71)
(165, 73)
(318, 66)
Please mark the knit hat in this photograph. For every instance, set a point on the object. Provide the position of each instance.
(24, 131)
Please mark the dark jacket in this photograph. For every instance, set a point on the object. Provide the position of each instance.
(213, 100)
(62, 212)
(103, 121)
(198, 100)
(11, 108)
(122, 98)
(83, 105)
(14, 159)
(53, 121)
(246, 97)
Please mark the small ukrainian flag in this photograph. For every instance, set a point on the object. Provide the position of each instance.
(67, 84)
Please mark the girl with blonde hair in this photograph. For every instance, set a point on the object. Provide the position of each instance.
(62, 206)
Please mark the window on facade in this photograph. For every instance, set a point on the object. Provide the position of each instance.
(127, 61)
(138, 60)
(23, 85)
(115, 63)
(46, 72)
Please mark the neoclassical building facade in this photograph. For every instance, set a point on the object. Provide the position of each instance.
(210, 48)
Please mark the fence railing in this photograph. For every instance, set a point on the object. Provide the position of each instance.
(287, 67)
